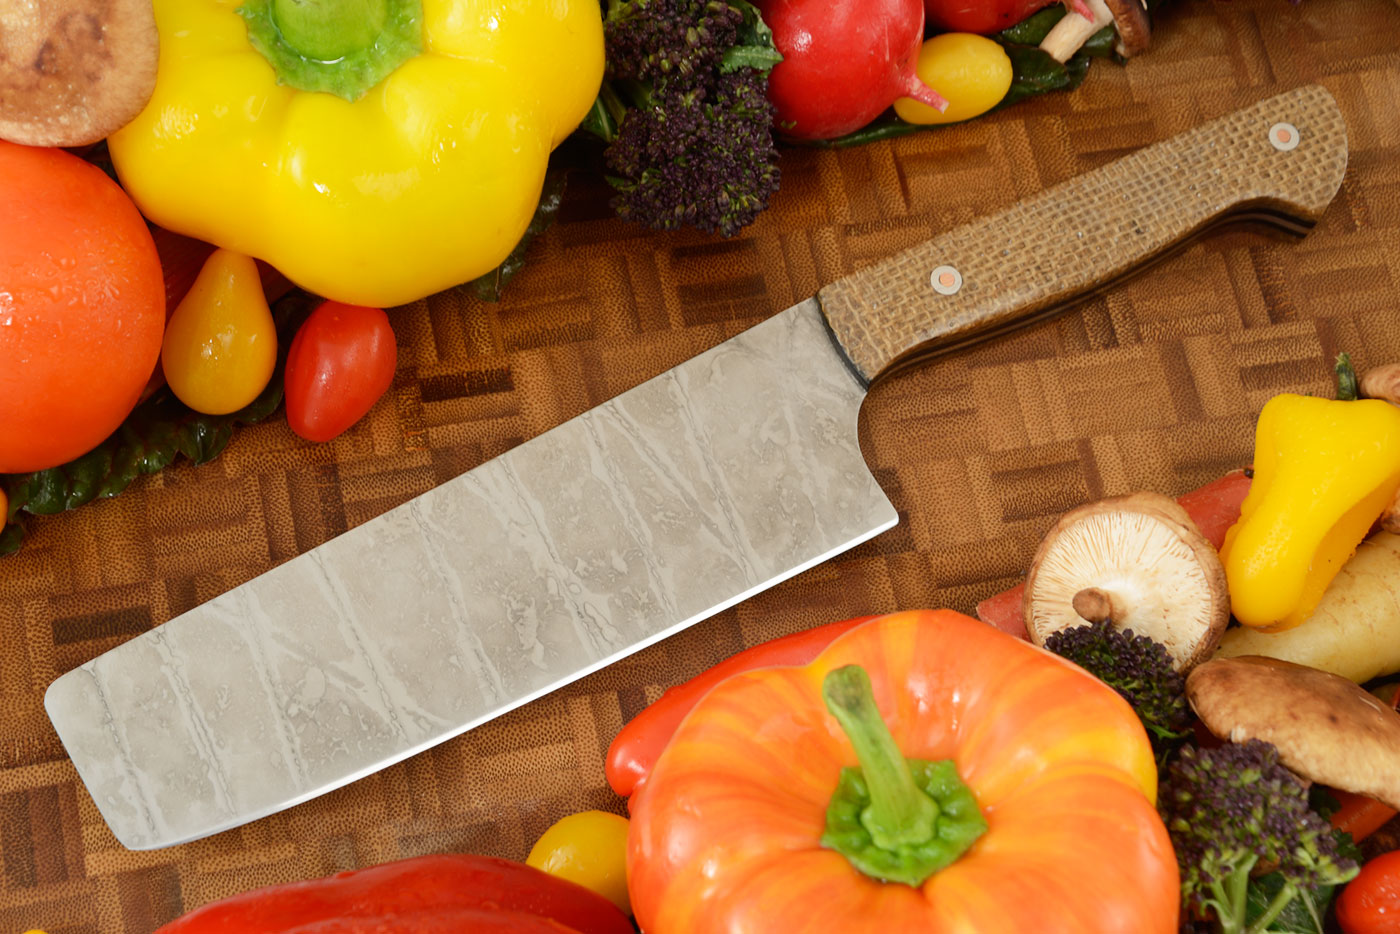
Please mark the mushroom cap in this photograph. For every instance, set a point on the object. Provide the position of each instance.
(1326, 729)
(1134, 28)
(74, 71)
(1137, 561)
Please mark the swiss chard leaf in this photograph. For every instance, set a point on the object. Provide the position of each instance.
(1307, 912)
(1303, 915)
(755, 47)
(1034, 28)
(156, 432)
(606, 114)
(488, 287)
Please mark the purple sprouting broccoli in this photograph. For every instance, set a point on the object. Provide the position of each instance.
(686, 113)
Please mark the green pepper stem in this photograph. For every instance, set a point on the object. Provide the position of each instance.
(900, 814)
(340, 47)
(328, 30)
(1348, 387)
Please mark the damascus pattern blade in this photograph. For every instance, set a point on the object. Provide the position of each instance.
(665, 505)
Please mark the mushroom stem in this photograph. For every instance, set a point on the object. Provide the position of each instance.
(1073, 30)
(1097, 605)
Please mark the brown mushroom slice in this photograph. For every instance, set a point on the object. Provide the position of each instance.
(1137, 561)
(1326, 729)
(1128, 17)
(74, 71)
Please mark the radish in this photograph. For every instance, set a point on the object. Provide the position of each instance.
(844, 62)
(989, 16)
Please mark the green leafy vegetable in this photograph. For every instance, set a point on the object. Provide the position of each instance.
(755, 47)
(488, 287)
(1305, 914)
(153, 435)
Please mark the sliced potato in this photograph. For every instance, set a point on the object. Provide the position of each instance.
(1355, 630)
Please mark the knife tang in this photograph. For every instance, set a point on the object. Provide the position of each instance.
(1280, 161)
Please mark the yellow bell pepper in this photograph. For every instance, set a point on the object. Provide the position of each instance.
(395, 149)
(1323, 472)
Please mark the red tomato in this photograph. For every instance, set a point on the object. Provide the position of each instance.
(1370, 904)
(82, 307)
(341, 361)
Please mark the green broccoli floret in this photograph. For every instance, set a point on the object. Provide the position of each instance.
(1234, 809)
(1136, 667)
(688, 117)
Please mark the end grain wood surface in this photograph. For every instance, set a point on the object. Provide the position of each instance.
(1154, 385)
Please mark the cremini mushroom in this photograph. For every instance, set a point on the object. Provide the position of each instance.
(1326, 729)
(1137, 561)
(1128, 17)
(74, 71)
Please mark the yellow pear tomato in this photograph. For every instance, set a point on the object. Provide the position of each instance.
(220, 344)
(972, 72)
(588, 848)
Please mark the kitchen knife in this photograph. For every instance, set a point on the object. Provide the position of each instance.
(681, 497)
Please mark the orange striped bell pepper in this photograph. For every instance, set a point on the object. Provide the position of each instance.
(727, 832)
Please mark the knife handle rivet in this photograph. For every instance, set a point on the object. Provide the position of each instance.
(1284, 137)
(945, 280)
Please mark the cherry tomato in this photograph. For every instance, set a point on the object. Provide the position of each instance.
(341, 361)
(589, 848)
(1370, 904)
(220, 344)
(82, 307)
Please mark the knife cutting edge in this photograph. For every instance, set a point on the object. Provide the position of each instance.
(683, 496)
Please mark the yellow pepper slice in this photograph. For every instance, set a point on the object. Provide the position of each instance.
(1323, 472)
(373, 195)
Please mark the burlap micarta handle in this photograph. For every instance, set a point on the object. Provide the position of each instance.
(1280, 161)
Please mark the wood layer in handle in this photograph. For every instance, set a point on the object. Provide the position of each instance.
(1067, 241)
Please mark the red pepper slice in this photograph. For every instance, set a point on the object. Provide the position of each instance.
(432, 887)
(634, 750)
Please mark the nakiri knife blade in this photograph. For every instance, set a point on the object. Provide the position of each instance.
(683, 496)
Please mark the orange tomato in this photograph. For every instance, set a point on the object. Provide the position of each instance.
(82, 307)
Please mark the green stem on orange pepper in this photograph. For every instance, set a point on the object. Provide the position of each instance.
(895, 819)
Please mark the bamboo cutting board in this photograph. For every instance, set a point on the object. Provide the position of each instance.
(1154, 385)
